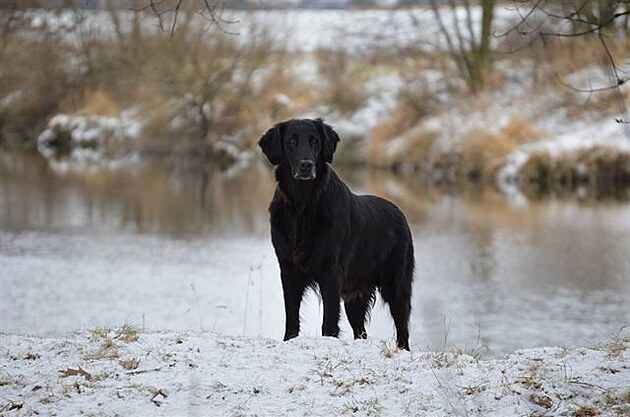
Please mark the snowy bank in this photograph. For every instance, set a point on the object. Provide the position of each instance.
(123, 372)
(88, 137)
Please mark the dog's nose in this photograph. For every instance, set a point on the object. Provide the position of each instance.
(306, 165)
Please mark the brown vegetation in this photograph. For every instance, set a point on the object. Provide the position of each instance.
(340, 73)
(484, 152)
(193, 89)
(600, 167)
(198, 88)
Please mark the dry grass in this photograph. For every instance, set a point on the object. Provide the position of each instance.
(585, 411)
(99, 102)
(616, 345)
(341, 74)
(554, 60)
(399, 141)
(401, 121)
(599, 167)
(205, 88)
(415, 150)
(38, 81)
(215, 85)
(127, 333)
(129, 364)
(107, 350)
(106, 343)
(483, 153)
(202, 87)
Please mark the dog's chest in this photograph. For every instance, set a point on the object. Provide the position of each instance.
(304, 233)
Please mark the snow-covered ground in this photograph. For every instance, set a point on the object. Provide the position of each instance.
(121, 372)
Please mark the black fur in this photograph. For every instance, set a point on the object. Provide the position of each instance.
(325, 236)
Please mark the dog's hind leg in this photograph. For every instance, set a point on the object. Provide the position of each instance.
(396, 292)
(357, 310)
(400, 310)
(400, 307)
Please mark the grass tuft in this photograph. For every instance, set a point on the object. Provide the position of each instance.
(129, 364)
(100, 103)
(484, 152)
(127, 333)
(585, 411)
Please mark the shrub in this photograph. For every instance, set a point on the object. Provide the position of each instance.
(484, 152)
(201, 85)
(99, 102)
(601, 167)
(343, 86)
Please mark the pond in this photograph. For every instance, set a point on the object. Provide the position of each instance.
(171, 245)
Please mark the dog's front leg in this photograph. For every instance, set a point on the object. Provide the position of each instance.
(293, 285)
(329, 288)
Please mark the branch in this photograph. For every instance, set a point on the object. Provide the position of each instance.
(574, 16)
(618, 80)
(596, 27)
(179, 3)
(208, 9)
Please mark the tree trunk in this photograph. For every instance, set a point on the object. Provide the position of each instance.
(482, 54)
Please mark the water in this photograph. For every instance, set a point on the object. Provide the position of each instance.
(177, 246)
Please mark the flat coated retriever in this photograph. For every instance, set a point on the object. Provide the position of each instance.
(326, 236)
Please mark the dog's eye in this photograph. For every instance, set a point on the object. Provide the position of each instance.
(292, 141)
(312, 140)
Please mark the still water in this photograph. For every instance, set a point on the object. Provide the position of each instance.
(164, 245)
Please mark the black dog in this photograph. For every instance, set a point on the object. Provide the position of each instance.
(326, 236)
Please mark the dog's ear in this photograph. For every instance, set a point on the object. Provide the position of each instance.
(329, 139)
(271, 144)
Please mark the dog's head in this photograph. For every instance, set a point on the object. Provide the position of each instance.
(303, 144)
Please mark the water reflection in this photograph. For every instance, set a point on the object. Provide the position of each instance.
(151, 196)
(179, 245)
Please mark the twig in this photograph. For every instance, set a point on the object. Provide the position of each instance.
(144, 371)
(211, 10)
(179, 3)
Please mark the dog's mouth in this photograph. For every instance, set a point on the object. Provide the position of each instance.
(303, 176)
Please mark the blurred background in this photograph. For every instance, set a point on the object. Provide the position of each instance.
(132, 190)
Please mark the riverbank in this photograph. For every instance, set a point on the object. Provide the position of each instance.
(124, 372)
(398, 101)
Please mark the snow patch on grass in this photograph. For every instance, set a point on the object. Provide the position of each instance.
(606, 133)
(123, 372)
(88, 135)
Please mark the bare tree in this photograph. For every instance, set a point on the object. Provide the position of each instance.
(603, 19)
(467, 41)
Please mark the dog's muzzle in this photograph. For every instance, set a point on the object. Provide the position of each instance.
(305, 170)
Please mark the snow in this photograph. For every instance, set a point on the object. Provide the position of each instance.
(607, 133)
(121, 372)
(88, 136)
(382, 93)
(590, 78)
